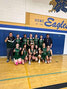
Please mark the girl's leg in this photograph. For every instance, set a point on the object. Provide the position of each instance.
(22, 61)
(26, 59)
(43, 60)
(36, 59)
(29, 59)
(19, 61)
(33, 57)
(47, 59)
(39, 57)
(50, 58)
(15, 62)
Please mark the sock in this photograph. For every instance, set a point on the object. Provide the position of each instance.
(16, 63)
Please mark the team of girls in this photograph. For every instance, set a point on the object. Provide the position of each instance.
(31, 49)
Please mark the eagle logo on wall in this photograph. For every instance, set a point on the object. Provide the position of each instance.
(58, 5)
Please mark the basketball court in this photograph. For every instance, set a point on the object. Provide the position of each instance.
(34, 76)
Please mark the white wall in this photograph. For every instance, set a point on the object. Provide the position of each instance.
(12, 11)
(65, 45)
(42, 7)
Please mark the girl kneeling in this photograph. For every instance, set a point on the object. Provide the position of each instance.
(24, 55)
(17, 59)
(49, 54)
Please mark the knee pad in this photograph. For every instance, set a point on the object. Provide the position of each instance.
(20, 62)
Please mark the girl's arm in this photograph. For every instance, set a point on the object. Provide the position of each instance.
(22, 52)
(14, 50)
(51, 51)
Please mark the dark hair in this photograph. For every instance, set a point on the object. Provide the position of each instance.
(17, 34)
(35, 34)
(24, 34)
(10, 32)
(30, 33)
(47, 34)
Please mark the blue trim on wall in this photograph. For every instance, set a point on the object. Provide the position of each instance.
(31, 28)
(58, 40)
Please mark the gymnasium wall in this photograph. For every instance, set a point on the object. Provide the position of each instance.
(15, 10)
(42, 7)
(33, 16)
(12, 11)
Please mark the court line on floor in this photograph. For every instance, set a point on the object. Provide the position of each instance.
(33, 76)
(28, 77)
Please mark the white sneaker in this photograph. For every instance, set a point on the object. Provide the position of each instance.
(29, 63)
(50, 61)
(45, 61)
(39, 61)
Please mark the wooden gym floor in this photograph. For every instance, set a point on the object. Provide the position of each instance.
(34, 76)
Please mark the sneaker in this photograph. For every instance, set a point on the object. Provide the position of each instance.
(45, 61)
(50, 61)
(39, 61)
(29, 63)
(7, 60)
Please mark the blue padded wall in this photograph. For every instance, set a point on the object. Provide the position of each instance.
(58, 40)
(58, 43)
